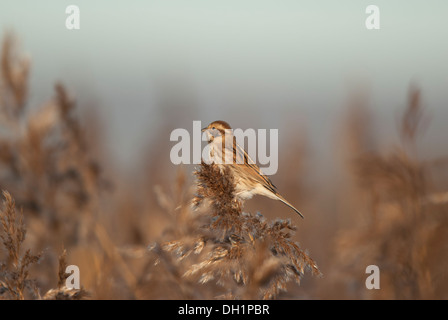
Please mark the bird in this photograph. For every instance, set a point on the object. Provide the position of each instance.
(248, 178)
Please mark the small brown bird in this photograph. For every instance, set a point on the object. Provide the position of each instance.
(249, 180)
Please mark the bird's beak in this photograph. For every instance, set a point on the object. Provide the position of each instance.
(203, 129)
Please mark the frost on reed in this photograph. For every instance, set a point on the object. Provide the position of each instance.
(244, 254)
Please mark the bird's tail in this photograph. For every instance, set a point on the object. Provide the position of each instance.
(279, 197)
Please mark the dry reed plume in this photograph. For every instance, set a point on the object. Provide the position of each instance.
(246, 255)
(15, 282)
(61, 206)
(402, 220)
(14, 274)
(43, 163)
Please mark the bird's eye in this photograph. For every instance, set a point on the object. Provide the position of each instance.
(213, 128)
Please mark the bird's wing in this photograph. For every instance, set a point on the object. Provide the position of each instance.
(246, 163)
(253, 171)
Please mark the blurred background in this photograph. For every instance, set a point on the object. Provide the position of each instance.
(361, 116)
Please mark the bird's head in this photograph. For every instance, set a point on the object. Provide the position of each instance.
(216, 128)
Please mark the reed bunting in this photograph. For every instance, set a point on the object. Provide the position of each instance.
(249, 181)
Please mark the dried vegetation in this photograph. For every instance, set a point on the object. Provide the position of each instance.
(165, 237)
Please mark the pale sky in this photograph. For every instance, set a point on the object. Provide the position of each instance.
(232, 58)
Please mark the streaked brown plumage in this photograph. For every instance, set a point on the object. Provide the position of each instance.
(249, 180)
